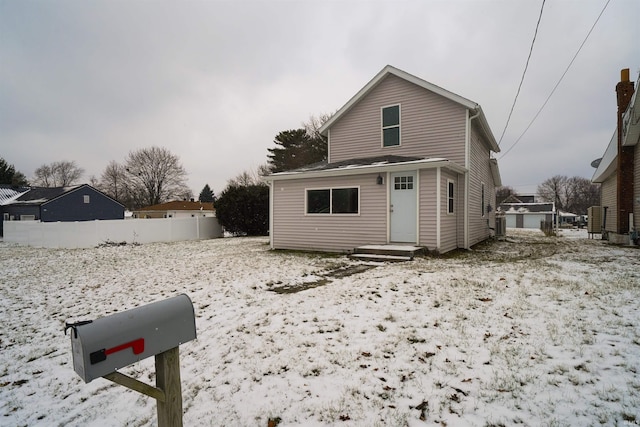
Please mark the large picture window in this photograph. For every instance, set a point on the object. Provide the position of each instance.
(333, 201)
(391, 126)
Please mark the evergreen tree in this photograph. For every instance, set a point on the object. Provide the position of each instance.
(244, 210)
(296, 148)
(206, 195)
(9, 175)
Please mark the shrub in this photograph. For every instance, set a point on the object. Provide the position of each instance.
(244, 210)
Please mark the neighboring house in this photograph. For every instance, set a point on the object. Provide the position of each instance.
(519, 198)
(527, 215)
(408, 162)
(8, 193)
(76, 203)
(618, 171)
(176, 209)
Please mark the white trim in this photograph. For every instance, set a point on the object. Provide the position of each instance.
(388, 181)
(382, 127)
(366, 169)
(306, 189)
(467, 154)
(329, 146)
(438, 207)
(271, 195)
(418, 206)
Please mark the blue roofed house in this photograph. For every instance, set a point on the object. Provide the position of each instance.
(74, 203)
(408, 163)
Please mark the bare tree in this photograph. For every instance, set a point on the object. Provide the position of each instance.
(503, 192)
(155, 175)
(574, 194)
(57, 174)
(113, 182)
(250, 177)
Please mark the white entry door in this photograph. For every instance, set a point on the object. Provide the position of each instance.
(402, 210)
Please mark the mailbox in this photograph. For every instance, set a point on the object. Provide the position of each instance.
(104, 345)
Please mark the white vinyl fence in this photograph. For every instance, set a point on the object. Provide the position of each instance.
(87, 234)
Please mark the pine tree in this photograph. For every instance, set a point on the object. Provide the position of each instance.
(296, 148)
(206, 195)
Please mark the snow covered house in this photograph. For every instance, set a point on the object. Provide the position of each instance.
(408, 162)
(527, 215)
(618, 171)
(176, 209)
(50, 204)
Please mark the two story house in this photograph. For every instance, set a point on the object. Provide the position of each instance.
(408, 163)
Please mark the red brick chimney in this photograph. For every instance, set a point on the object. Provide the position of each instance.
(624, 92)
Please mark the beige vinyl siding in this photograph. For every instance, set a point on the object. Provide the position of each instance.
(608, 196)
(480, 173)
(427, 210)
(292, 229)
(460, 214)
(430, 125)
(448, 222)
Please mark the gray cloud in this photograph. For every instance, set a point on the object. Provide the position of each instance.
(215, 81)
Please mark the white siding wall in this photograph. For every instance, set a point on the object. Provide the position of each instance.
(608, 196)
(430, 126)
(479, 173)
(292, 229)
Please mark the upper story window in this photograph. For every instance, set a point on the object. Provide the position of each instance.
(86, 198)
(391, 126)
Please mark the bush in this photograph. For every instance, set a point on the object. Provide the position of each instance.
(244, 210)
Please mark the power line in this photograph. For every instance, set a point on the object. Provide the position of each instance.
(535, 34)
(557, 84)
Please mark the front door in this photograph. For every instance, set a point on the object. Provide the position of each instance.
(402, 210)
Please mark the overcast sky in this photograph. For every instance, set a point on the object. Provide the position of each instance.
(215, 81)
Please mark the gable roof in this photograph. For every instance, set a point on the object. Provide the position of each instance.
(40, 195)
(179, 205)
(9, 193)
(390, 70)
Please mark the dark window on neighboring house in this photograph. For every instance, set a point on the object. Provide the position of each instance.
(333, 201)
(391, 126)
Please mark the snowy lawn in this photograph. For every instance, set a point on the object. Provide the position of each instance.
(530, 331)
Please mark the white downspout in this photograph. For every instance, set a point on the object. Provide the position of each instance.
(467, 163)
(438, 201)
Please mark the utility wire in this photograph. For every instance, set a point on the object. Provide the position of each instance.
(557, 84)
(535, 34)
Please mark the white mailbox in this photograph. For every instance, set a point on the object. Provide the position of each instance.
(104, 345)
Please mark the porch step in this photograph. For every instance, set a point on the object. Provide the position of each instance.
(387, 252)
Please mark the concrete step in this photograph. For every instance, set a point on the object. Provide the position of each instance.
(388, 252)
(380, 257)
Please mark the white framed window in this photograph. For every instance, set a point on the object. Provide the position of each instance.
(403, 182)
(5, 216)
(87, 198)
(391, 126)
(450, 196)
(332, 201)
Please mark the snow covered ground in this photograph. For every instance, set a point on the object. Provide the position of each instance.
(529, 331)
